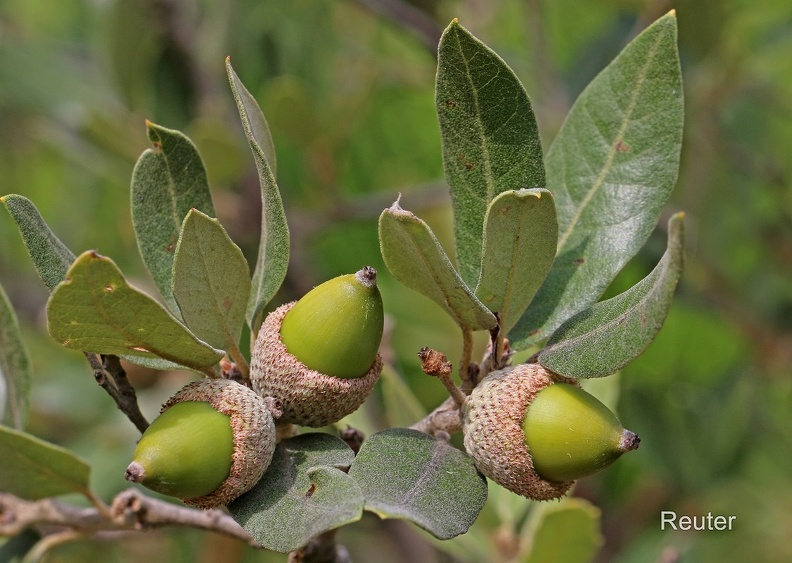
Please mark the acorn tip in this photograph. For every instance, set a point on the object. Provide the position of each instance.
(629, 441)
(367, 276)
(135, 472)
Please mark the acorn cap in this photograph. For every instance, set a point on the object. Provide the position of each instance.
(253, 434)
(307, 397)
(492, 418)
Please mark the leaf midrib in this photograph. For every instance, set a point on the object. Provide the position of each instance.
(600, 180)
(429, 267)
(665, 265)
(487, 164)
(215, 298)
(162, 153)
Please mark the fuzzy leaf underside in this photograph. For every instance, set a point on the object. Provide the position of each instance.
(33, 469)
(14, 368)
(96, 310)
(303, 493)
(211, 281)
(414, 257)
(611, 169)
(429, 483)
(273, 252)
(520, 237)
(490, 138)
(50, 256)
(610, 334)
(167, 181)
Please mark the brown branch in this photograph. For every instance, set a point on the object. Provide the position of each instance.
(111, 377)
(445, 418)
(409, 17)
(136, 511)
(321, 549)
(130, 511)
(467, 372)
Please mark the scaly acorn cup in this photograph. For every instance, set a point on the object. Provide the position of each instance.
(534, 432)
(212, 442)
(318, 357)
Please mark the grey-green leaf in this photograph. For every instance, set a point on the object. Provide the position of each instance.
(520, 238)
(253, 120)
(568, 531)
(429, 482)
(168, 180)
(33, 469)
(211, 281)
(414, 256)
(96, 310)
(303, 493)
(14, 368)
(490, 139)
(608, 335)
(273, 252)
(611, 170)
(50, 256)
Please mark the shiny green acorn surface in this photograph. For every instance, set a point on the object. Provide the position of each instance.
(336, 327)
(570, 434)
(186, 452)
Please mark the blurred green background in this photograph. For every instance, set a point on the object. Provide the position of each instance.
(347, 87)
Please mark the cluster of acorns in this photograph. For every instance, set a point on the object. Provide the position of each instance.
(528, 429)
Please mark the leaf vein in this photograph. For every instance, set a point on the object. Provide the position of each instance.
(487, 164)
(640, 82)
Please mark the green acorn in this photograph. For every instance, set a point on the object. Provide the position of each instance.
(534, 432)
(318, 357)
(212, 442)
(570, 434)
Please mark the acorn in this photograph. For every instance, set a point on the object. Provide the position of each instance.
(535, 432)
(318, 357)
(212, 442)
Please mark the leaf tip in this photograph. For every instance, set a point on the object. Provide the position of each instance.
(9, 198)
(153, 130)
(676, 224)
(396, 207)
